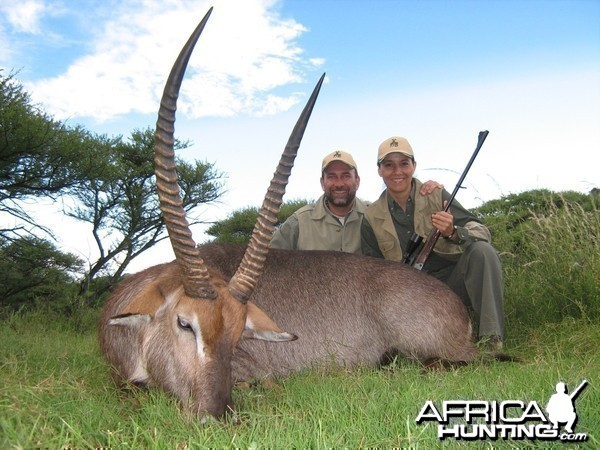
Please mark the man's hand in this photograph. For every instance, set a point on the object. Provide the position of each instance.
(429, 186)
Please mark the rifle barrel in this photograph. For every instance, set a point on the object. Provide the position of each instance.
(480, 141)
(434, 235)
(578, 389)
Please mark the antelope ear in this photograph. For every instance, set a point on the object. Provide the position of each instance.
(130, 320)
(260, 326)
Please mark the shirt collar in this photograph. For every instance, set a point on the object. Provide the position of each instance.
(326, 205)
(411, 197)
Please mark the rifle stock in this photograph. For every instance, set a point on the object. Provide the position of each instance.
(432, 239)
(435, 234)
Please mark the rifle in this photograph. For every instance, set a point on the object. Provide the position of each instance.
(435, 234)
(578, 389)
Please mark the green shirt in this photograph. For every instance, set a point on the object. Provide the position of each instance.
(314, 227)
(439, 262)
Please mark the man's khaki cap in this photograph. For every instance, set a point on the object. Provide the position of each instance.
(395, 144)
(338, 155)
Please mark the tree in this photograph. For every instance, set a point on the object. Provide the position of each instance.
(36, 153)
(238, 226)
(110, 180)
(118, 198)
(32, 270)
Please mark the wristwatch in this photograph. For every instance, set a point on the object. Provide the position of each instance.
(459, 235)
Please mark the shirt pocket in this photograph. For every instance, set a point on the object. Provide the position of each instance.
(386, 246)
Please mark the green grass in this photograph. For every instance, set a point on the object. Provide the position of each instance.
(55, 392)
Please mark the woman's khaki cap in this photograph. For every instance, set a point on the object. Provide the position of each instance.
(338, 155)
(395, 144)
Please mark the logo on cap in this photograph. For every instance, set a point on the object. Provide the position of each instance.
(394, 143)
(338, 155)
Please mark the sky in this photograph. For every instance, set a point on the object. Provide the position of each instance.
(435, 72)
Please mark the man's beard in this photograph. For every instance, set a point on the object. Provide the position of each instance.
(341, 201)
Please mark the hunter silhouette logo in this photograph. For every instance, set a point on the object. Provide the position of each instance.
(561, 406)
(510, 419)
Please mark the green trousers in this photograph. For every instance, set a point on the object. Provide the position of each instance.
(477, 279)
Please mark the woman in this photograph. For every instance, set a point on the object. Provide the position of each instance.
(464, 259)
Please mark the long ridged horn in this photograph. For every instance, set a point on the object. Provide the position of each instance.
(196, 280)
(244, 281)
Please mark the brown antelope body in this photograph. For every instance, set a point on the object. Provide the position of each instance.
(187, 326)
(346, 309)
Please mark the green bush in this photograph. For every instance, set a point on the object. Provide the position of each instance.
(552, 261)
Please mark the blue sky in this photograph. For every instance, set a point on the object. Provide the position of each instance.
(436, 72)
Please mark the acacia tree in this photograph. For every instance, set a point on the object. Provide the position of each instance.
(119, 200)
(110, 180)
(35, 156)
(33, 269)
(238, 226)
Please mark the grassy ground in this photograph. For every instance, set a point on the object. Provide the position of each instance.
(55, 393)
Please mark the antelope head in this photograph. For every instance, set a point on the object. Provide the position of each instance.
(181, 322)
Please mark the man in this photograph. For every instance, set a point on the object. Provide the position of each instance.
(333, 222)
(464, 259)
(561, 408)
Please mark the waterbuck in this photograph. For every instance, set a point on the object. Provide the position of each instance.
(177, 325)
(188, 326)
(346, 309)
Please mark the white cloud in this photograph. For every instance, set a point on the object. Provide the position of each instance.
(25, 15)
(246, 51)
(21, 17)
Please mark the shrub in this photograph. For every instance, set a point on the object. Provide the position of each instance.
(554, 271)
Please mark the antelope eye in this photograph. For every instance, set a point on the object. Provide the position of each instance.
(184, 324)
